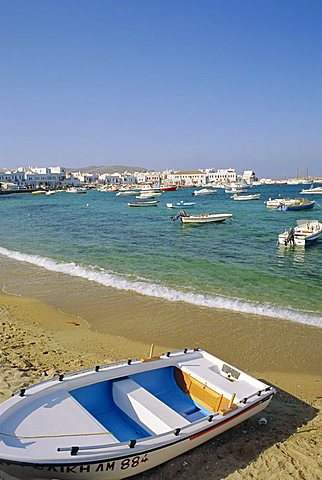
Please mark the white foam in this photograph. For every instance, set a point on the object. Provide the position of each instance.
(144, 287)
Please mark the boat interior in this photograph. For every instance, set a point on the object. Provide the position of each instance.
(149, 403)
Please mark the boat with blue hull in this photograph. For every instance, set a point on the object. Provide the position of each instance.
(118, 420)
(181, 205)
(300, 204)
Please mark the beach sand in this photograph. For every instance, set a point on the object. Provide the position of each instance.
(38, 340)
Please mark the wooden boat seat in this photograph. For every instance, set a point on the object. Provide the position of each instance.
(145, 409)
(203, 372)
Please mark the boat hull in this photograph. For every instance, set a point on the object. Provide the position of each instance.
(307, 206)
(205, 218)
(114, 468)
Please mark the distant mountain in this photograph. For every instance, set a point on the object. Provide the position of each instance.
(107, 169)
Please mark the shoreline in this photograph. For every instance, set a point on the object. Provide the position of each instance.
(39, 338)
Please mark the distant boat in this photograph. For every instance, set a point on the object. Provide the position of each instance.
(298, 204)
(127, 192)
(312, 190)
(146, 195)
(39, 192)
(305, 232)
(202, 217)
(181, 205)
(50, 192)
(204, 191)
(153, 203)
(254, 196)
(77, 190)
(118, 420)
(277, 202)
(170, 188)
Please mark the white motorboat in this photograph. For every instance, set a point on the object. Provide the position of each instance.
(312, 190)
(201, 217)
(153, 203)
(204, 191)
(77, 190)
(254, 196)
(118, 420)
(144, 195)
(305, 232)
(235, 190)
(125, 193)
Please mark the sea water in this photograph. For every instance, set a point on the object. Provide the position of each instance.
(236, 265)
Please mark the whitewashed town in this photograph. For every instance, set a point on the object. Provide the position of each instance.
(49, 178)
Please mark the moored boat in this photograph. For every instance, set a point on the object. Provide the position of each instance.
(235, 190)
(153, 203)
(204, 191)
(312, 190)
(298, 204)
(125, 193)
(201, 217)
(254, 196)
(170, 188)
(118, 420)
(181, 205)
(279, 202)
(305, 232)
(144, 195)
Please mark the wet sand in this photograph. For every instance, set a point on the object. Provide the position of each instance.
(38, 340)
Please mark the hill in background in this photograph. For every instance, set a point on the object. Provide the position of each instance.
(107, 169)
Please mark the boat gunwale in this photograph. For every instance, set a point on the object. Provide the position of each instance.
(70, 460)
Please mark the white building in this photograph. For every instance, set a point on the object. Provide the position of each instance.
(223, 175)
(187, 177)
(35, 176)
(148, 177)
(249, 176)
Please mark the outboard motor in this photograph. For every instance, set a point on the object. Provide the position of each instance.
(180, 214)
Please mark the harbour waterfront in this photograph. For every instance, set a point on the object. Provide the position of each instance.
(236, 266)
(70, 253)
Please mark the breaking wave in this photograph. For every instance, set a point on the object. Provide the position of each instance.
(144, 287)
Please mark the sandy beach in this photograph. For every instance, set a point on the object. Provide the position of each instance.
(38, 340)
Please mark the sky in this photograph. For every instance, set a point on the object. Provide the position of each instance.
(161, 84)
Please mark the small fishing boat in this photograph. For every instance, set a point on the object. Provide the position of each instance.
(153, 203)
(38, 192)
(235, 190)
(312, 190)
(279, 202)
(170, 188)
(144, 195)
(181, 205)
(298, 204)
(305, 232)
(204, 191)
(115, 421)
(125, 193)
(50, 192)
(254, 196)
(77, 190)
(202, 217)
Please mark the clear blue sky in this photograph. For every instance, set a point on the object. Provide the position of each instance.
(162, 84)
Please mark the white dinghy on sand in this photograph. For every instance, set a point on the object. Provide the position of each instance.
(118, 420)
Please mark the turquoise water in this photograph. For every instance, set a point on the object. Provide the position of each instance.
(235, 265)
